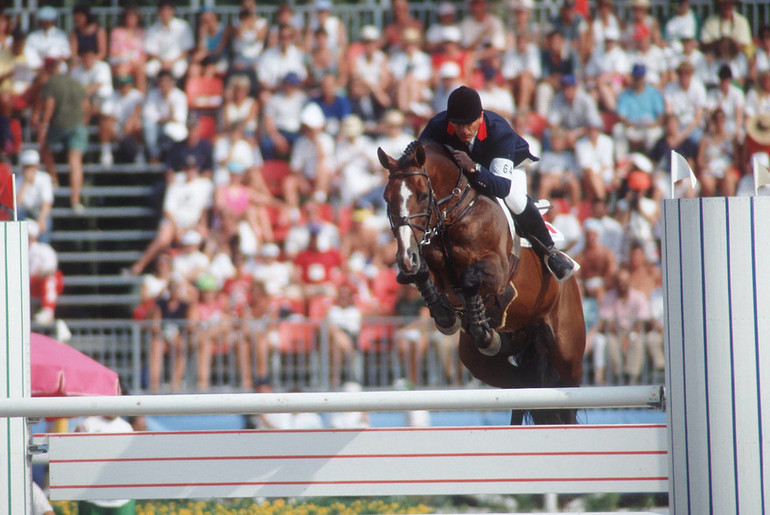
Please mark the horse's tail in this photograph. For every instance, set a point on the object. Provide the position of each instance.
(537, 370)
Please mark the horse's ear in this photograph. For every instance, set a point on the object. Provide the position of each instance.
(386, 161)
(419, 155)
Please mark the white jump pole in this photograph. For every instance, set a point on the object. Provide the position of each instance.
(324, 402)
(716, 259)
(14, 366)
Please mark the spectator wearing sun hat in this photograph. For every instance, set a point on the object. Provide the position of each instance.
(48, 36)
(686, 98)
(394, 136)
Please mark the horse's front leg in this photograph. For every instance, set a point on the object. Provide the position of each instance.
(443, 314)
(476, 323)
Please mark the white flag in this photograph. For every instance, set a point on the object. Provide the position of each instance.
(761, 175)
(679, 170)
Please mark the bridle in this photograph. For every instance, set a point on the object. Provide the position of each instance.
(433, 211)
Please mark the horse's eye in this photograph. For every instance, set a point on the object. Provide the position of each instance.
(423, 197)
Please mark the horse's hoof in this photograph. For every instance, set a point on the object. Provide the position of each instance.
(494, 346)
(449, 330)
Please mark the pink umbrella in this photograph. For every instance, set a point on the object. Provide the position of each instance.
(59, 370)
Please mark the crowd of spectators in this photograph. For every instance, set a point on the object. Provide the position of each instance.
(268, 132)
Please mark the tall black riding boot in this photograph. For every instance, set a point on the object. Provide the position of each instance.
(531, 225)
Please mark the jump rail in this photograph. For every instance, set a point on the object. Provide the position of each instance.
(324, 402)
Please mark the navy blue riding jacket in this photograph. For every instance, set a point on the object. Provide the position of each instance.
(494, 139)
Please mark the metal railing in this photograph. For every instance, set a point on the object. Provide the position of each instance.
(378, 12)
(299, 354)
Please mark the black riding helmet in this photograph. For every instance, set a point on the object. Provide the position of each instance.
(464, 105)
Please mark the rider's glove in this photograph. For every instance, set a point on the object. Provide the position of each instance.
(464, 161)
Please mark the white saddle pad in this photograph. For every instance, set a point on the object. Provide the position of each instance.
(543, 205)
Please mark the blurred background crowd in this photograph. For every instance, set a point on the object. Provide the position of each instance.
(272, 236)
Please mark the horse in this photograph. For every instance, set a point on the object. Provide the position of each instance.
(520, 326)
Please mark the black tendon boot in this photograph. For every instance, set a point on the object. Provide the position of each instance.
(532, 226)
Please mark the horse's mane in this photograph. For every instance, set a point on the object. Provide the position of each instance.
(428, 145)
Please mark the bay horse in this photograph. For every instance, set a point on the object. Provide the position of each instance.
(520, 326)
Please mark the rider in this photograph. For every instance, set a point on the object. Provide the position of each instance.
(488, 150)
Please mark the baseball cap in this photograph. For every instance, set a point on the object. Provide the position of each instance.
(639, 70)
(206, 282)
(292, 78)
(29, 157)
(568, 80)
(451, 33)
(270, 250)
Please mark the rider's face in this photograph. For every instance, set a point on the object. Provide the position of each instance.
(466, 131)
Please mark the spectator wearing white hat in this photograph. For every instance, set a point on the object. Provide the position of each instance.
(45, 278)
(312, 159)
(34, 194)
(448, 80)
(168, 42)
(523, 21)
(447, 17)
(47, 37)
(450, 51)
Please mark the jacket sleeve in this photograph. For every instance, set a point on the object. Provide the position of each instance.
(488, 183)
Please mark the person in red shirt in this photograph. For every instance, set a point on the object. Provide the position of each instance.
(318, 268)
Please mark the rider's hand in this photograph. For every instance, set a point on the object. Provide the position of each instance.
(464, 161)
